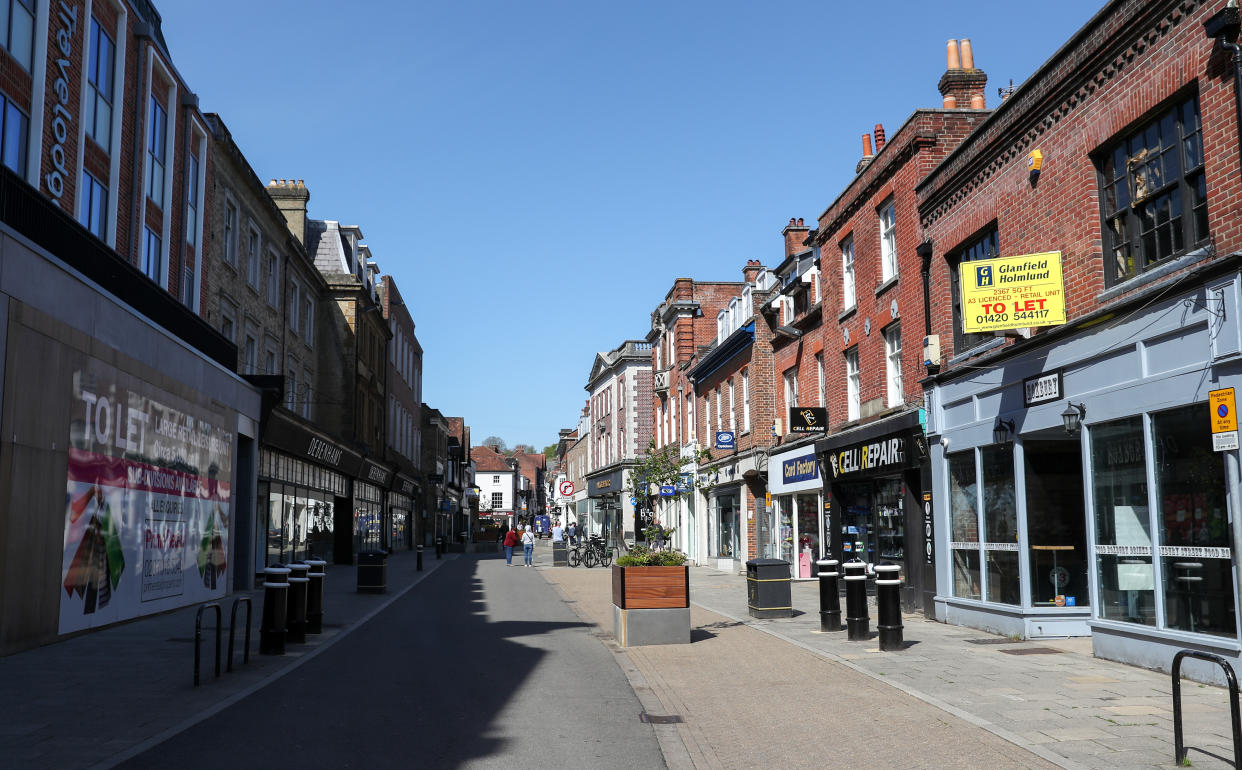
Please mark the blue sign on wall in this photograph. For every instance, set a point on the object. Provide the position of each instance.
(667, 490)
(725, 440)
(802, 468)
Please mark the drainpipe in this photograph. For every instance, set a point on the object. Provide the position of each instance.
(1223, 27)
(924, 250)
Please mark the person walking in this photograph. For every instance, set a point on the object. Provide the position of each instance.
(558, 534)
(511, 540)
(573, 533)
(528, 547)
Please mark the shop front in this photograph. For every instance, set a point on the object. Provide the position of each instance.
(1087, 493)
(794, 517)
(372, 527)
(874, 507)
(609, 510)
(303, 493)
(401, 511)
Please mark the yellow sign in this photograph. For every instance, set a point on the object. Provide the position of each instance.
(767, 499)
(1012, 292)
(1224, 411)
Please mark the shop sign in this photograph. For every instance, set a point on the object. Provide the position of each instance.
(1224, 416)
(607, 484)
(407, 486)
(684, 481)
(725, 439)
(888, 452)
(376, 474)
(802, 468)
(1042, 388)
(62, 129)
(146, 524)
(808, 419)
(667, 490)
(1012, 292)
(435, 478)
(929, 549)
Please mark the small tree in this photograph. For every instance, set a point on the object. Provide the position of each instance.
(663, 467)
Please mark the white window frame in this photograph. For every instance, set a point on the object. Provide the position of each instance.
(719, 413)
(849, 293)
(254, 255)
(693, 427)
(791, 387)
(888, 240)
(732, 408)
(853, 394)
(892, 365)
(720, 325)
(273, 278)
(745, 400)
(819, 379)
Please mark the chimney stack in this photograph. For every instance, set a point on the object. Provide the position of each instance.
(962, 85)
(879, 137)
(795, 236)
(291, 198)
(750, 273)
(867, 156)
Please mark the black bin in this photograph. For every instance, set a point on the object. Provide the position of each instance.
(373, 571)
(314, 595)
(768, 591)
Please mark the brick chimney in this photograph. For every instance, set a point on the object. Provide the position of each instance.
(291, 198)
(961, 85)
(879, 137)
(867, 156)
(751, 272)
(795, 236)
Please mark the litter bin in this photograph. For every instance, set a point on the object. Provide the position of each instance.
(275, 610)
(373, 571)
(314, 595)
(768, 591)
(299, 583)
(560, 556)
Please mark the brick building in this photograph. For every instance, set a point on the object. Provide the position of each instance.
(620, 429)
(404, 414)
(497, 479)
(1078, 486)
(689, 318)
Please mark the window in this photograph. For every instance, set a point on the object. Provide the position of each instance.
(189, 285)
(848, 300)
(250, 352)
(495, 479)
(707, 418)
(16, 133)
(269, 361)
(819, 379)
(273, 279)
(153, 257)
(498, 500)
(964, 520)
(745, 399)
(892, 365)
(17, 32)
(308, 316)
(306, 394)
(719, 411)
(97, 117)
(252, 258)
(852, 391)
(888, 241)
(293, 391)
(94, 206)
(720, 325)
(191, 201)
(691, 427)
(1153, 193)
(732, 409)
(983, 246)
(228, 327)
(230, 233)
(294, 306)
(791, 387)
(156, 143)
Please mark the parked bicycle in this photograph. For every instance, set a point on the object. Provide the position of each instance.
(590, 553)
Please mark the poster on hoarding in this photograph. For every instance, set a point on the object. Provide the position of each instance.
(146, 501)
(1012, 292)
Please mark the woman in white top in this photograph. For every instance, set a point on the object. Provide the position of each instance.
(528, 547)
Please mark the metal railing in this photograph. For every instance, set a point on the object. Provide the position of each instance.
(232, 626)
(1179, 747)
(198, 636)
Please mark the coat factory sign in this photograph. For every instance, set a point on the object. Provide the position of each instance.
(1012, 292)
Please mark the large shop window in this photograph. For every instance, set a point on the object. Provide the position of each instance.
(1000, 525)
(1167, 481)
(297, 515)
(872, 522)
(368, 517)
(725, 544)
(964, 516)
(1056, 523)
(799, 531)
(1153, 193)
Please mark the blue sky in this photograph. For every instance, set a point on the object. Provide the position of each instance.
(535, 175)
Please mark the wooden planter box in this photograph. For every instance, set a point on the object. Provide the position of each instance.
(651, 588)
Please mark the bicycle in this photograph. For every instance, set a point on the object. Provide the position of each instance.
(590, 553)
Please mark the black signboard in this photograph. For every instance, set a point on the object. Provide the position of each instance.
(808, 419)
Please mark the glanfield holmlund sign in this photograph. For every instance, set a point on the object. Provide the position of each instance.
(1012, 292)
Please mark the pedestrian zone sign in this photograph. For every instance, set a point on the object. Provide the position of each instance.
(1224, 416)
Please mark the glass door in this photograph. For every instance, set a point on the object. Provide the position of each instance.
(891, 532)
(785, 505)
(857, 523)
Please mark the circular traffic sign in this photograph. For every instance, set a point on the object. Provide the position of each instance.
(566, 488)
(1223, 410)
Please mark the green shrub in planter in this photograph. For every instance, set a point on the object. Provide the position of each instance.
(642, 556)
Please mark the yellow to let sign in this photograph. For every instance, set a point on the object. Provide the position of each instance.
(1224, 411)
(1012, 292)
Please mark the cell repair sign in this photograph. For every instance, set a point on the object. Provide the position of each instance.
(1012, 292)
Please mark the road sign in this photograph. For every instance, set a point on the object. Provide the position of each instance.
(633, 501)
(1224, 418)
(566, 488)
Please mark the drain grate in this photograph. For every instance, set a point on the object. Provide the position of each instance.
(1032, 651)
(660, 719)
(994, 640)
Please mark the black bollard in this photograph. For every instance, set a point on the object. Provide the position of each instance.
(299, 585)
(314, 595)
(275, 610)
(439, 546)
(888, 606)
(829, 598)
(857, 621)
(419, 558)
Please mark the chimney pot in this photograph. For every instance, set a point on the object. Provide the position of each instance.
(799, 221)
(866, 145)
(968, 56)
(879, 137)
(954, 58)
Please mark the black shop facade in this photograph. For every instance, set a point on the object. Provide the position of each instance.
(877, 502)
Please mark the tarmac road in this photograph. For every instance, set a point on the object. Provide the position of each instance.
(481, 666)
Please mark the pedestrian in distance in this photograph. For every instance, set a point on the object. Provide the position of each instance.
(528, 547)
(511, 540)
(558, 533)
(573, 533)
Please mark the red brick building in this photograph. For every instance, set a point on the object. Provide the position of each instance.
(1078, 485)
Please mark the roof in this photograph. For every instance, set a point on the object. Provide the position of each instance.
(488, 459)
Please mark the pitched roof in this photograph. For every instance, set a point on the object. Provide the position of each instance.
(488, 459)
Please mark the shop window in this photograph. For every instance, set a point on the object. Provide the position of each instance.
(983, 246)
(964, 518)
(1056, 523)
(1195, 540)
(725, 544)
(1122, 524)
(1000, 523)
(1153, 194)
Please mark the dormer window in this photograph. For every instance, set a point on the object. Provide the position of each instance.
(748, 293)
(734, 312)
(720, 325)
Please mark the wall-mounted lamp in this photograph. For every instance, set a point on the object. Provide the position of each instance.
(1002, 431)
(1072, 417)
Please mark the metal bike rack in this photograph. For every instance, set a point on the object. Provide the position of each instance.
(233, 626)
(1179, 748)
(198, 636)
